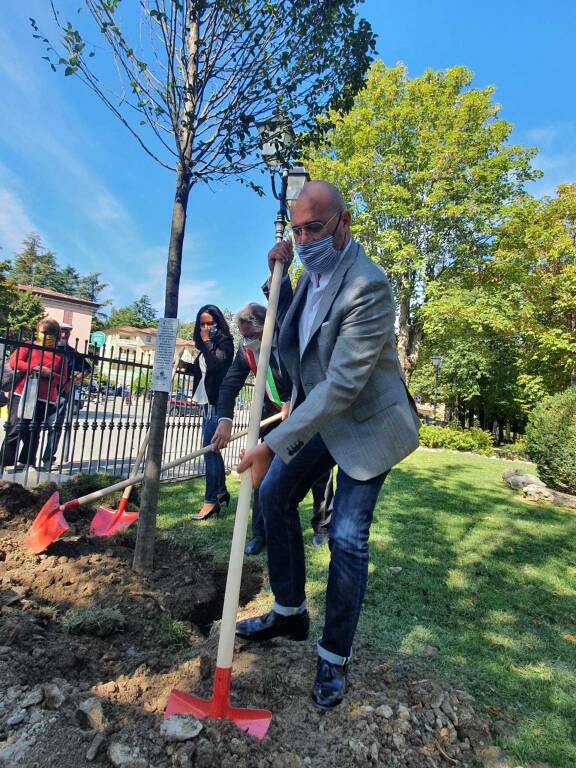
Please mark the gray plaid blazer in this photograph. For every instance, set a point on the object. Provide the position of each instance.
(355, 395)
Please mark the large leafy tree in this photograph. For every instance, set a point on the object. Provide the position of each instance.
(18, 309)
(196, 76)
(35, 265)
(535, 260)
(139, 314)
(426, 167)
(470, 324)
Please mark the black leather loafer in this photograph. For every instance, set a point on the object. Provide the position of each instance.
(330, 684)
(271, 624)
(254, 546)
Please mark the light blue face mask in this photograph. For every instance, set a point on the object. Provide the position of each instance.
(318, 256)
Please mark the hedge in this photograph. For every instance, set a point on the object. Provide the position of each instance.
(551, 440)
(474, 439)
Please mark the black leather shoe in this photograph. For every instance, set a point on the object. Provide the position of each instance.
(330, 684)
(254, 546)
(272, 624)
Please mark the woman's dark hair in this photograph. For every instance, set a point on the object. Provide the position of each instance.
(218, 318)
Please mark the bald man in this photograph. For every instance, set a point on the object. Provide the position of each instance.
(349, 407)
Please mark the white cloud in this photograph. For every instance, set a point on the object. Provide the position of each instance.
(15, 223)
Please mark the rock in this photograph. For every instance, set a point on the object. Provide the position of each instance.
(15, 719)
(97, 742)
(503, 728)
(535, 492)
(123, 756)
(517, 479)
(366, 710)
(492, 757)
(384, 711)
(53, 696)
(540, 493)
(90, 715)
(180, 728)
(205, 757)
(394, 570)
(430, 650)
(184, 756)
(36, 715)
(34, 697)
(402, 712)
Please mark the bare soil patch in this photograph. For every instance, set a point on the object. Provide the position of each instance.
(69, 699)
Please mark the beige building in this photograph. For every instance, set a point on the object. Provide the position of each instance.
(67, 309)
(131, 343)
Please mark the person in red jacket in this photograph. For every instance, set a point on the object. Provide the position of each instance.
(38, 373)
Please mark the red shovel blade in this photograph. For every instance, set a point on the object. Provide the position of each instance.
(48, 525)
(107, 522)
(254, 721)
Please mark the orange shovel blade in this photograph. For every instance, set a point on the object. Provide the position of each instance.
(107, 522)
(254, 721)
(48, 525)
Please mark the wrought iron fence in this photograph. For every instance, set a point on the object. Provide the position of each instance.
(66, 411)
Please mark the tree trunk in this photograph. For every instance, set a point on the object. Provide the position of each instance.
(146, 536)
(409, 338)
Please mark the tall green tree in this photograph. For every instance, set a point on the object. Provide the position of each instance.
(139, 314)
(426, 168)
(535, 261)
(470, 324)
(196, 76)
(35, 265)
(18, 309)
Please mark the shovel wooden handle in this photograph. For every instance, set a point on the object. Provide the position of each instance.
(135, 479)
(232, 593)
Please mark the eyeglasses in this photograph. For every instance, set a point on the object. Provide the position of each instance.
(315, 227)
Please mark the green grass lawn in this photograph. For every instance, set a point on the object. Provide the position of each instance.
(488, 579)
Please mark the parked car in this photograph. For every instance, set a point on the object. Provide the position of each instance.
(181, 404)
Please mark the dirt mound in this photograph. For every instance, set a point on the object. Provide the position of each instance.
(89, 653)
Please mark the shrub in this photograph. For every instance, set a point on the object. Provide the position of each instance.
(474, 439)
(513, 451)
(551, 440)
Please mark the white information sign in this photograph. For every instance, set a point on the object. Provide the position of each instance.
(165, 345)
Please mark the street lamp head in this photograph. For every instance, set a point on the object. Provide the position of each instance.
(276, 138)
(437, 362)
(297, 177)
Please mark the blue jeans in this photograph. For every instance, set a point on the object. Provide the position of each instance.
(214, 463)
(283, 488)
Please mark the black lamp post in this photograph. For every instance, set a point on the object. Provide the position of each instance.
(437, 363)
(276, 139)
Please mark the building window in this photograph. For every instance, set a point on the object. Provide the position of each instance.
(68, 316)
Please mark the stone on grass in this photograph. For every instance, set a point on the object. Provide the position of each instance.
(517, 479)
(180, 728)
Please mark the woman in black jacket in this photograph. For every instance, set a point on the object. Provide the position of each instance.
(250, 322)
(216, 349)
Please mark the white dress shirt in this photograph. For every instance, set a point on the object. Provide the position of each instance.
(318, 281)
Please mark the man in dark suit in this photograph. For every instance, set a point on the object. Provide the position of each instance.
(350, 407)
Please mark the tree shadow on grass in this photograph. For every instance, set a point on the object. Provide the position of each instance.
(486, 579)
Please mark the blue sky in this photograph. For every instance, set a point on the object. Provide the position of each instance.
(69, 171)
